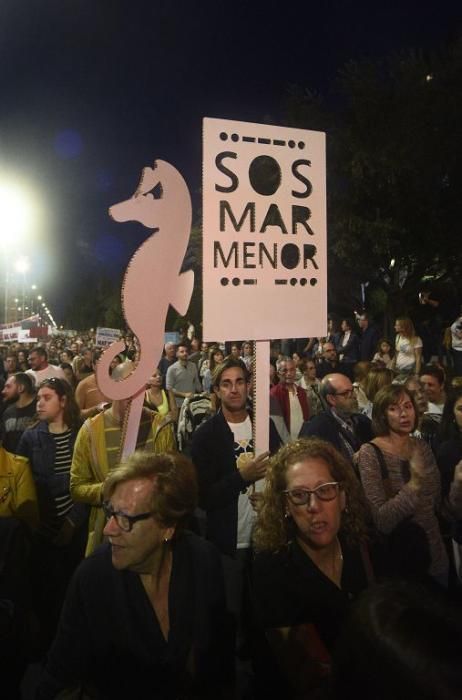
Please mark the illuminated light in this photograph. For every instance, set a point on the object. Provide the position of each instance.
(17, 212)
(22, 265)
(392, 263)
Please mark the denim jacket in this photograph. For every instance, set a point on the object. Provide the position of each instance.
(38, 445)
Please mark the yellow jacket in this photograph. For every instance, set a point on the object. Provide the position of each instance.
(18, 498)
(90, 468)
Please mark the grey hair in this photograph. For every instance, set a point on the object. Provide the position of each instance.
(327, 388)
(283, 359)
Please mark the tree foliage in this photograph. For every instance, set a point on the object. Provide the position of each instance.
(394, 148)
(97, 303)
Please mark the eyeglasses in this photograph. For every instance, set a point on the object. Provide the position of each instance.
(58, 385)
(50, 380)
(124, 521)
(325, 492)
(348, 393)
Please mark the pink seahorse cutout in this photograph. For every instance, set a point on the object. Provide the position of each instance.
(151, 283)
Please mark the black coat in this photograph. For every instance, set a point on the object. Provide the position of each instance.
(110, 640)
(369, 340)
(220, 481)
(327, 428)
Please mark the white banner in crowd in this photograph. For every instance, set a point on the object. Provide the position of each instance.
(106, 336)
(29, 330)
(264, 231)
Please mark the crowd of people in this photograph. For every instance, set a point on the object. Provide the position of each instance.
(197, 569)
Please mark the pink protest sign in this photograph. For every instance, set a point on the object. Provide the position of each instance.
(152, 282)
(264, 231)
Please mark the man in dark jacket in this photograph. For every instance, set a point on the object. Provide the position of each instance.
(330, 362)
(370, 336)
(228, 476)
(340, 424)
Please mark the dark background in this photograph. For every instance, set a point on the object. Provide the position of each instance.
(92, 91)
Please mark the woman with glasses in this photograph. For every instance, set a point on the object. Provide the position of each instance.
(402, 484)
(311, 561)
(145, 614)
(59, 540)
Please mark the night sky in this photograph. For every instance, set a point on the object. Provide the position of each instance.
(92, 91)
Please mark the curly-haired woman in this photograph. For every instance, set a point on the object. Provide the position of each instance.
(312, 559)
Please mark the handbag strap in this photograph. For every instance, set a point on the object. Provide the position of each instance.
(383, 470)
(367, 563)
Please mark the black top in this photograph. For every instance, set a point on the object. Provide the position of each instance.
(290, 590)
(109, 637)
(15, 421)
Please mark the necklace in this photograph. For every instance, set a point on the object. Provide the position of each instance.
(336, 564)
(331, 564)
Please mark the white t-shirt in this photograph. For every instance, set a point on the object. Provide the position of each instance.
(243, 451)
(405, 357)
(296, 415)
(435, 410)
(50, 371)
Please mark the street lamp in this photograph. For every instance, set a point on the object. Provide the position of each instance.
(22, 266)
(32, 299)
(16, 217)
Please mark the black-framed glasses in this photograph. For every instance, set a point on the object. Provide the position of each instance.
(123, 520)
(302, 496)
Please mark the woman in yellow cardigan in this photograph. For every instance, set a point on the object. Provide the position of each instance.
(98, 450)
(18, 498)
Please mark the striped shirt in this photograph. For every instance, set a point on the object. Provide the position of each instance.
(63, 458)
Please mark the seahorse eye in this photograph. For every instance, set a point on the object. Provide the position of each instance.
(157, 191)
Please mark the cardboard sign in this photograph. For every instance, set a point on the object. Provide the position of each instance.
(264, 231)
(171, 337)
(106, 336)
(154, 272)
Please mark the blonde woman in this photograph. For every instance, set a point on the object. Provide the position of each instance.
(408, 346)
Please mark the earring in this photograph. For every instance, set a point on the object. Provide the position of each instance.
(166, 540)
(286, 515)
